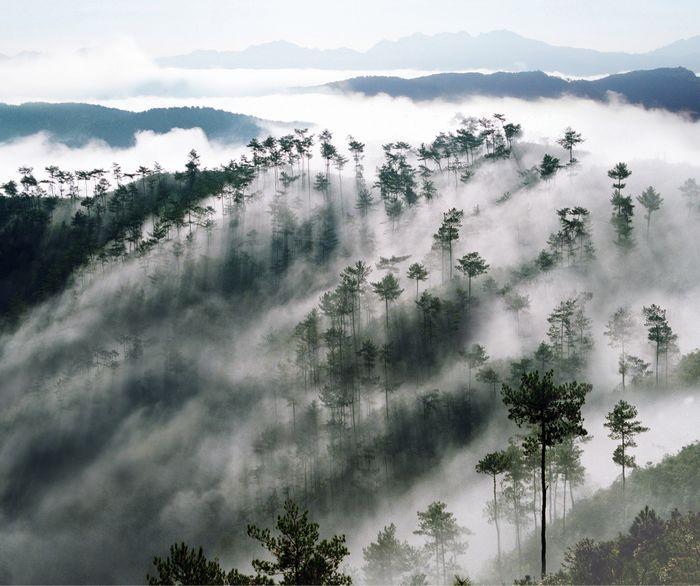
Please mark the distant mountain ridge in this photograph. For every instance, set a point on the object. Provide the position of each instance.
(499, 50)
(76, 124)
(674, 89)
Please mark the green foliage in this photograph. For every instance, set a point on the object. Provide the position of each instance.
(472, 265)
(623, 208)
(624, 426)
(441, 528)
(553, 414)
(651, 201)
(188, 566)
(298, 555)
(654, 551)
(548, 167)
(689, 368)
(569, 140)
(387, 560)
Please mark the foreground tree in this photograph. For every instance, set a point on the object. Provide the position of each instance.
(552, 413)
(187, 566)
(624, 426)
(298, 555)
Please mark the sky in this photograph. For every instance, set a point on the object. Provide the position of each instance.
(163, 27)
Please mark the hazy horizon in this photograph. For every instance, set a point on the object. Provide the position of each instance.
(176, 26)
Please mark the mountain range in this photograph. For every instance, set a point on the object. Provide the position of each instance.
(674, 89)
(497, 50)
(77, 124)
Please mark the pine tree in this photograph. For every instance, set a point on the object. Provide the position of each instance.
(651, 201)
(624, 426)
(494, 464)
(472, 265)
(623, 208)
(553, 413)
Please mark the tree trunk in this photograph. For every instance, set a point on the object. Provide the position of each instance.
(498, 529)
(543, 528)
(386, 305)
(657, 366)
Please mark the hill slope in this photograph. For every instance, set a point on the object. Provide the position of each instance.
(77, 124)
(674, 89)
(674, 483)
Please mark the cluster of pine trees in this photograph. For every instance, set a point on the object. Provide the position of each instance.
(354, 410)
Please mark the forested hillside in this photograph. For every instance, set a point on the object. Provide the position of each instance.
(78, 124)
(674, 89)
(188, 354)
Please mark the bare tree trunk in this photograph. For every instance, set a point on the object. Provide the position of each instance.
(543, 528)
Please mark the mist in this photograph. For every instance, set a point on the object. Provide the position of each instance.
(108, 459)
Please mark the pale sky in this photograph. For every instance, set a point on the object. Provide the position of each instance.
(163, 27)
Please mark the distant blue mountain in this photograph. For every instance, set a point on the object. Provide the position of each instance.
(498, 50)
(77, 124)
(674, 89)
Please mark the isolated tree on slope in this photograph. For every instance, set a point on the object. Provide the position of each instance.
(619, 331)
(548, 167)
(624, 426)
(651, 201)
(623, 208)
(417, 272)
(659, 332)
(472, 265)
(570, 139)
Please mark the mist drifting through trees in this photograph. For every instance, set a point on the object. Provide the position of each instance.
(348, 325)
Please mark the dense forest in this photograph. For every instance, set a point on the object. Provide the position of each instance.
(312, 330)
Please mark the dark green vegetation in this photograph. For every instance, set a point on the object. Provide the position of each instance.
(51, 228)
(655, 551)
(674, 89)
(213, 343)
(661, 546)
(298, 557)
(78, 124)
